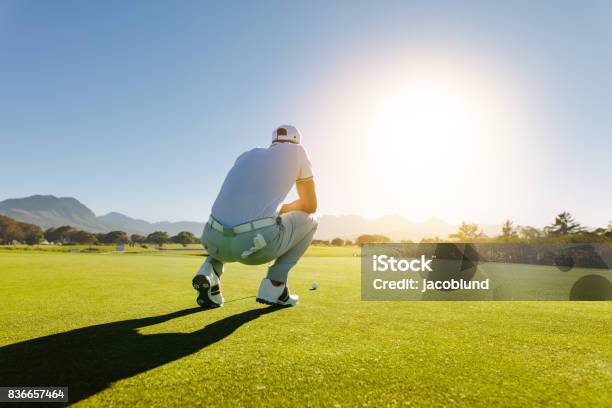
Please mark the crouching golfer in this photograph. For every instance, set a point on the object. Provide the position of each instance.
(249, 225)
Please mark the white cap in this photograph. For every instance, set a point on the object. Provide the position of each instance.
(286, 133)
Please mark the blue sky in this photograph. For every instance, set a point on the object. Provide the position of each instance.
(141, 107)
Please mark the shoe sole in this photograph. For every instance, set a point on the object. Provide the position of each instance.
(202, 284)
(267, 302)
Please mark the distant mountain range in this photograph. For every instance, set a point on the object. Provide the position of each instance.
(50, 211)
(119, 221)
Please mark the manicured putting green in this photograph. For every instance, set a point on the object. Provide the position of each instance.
(122, 330)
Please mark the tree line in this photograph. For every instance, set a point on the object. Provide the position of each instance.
(12, 231)
(565, 229)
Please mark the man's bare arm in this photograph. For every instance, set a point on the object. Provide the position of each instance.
(307, 200)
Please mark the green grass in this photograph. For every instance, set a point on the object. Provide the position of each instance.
(332, 251)
(317, 251)
(95, 248)
(81, 320)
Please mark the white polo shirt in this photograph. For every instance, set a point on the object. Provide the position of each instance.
(259, 181)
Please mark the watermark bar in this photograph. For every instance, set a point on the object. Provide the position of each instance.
(455, 271)
(33, 394)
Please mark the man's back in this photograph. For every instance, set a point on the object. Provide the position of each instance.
(253, 190)
(259, 181)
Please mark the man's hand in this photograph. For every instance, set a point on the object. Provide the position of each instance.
(307, 200)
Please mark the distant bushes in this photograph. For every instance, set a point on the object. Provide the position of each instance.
(333, 242)
(564, 230)
(372, 239)
(13, 232)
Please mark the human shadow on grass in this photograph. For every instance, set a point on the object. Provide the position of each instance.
(90, 359)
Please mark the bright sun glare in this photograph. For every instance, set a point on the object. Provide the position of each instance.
(438, 134)
(427, 119)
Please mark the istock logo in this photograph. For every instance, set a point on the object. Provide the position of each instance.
(384, 263)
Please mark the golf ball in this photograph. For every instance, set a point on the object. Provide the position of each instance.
(314, 286)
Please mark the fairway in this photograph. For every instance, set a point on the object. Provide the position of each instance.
(123, 329)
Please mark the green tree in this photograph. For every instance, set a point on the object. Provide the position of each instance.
(184, 238)
(431, 240)
(529, 233)
(114, 237)
(59, 235)
(32, 234)
(372, 239)
(337, 242)
(508, 231)
(564, 225)
(158, 237)
(50, 234)
(9, 230)
(137, 239)
(605, 232)
(468, 232)
(82, 237)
